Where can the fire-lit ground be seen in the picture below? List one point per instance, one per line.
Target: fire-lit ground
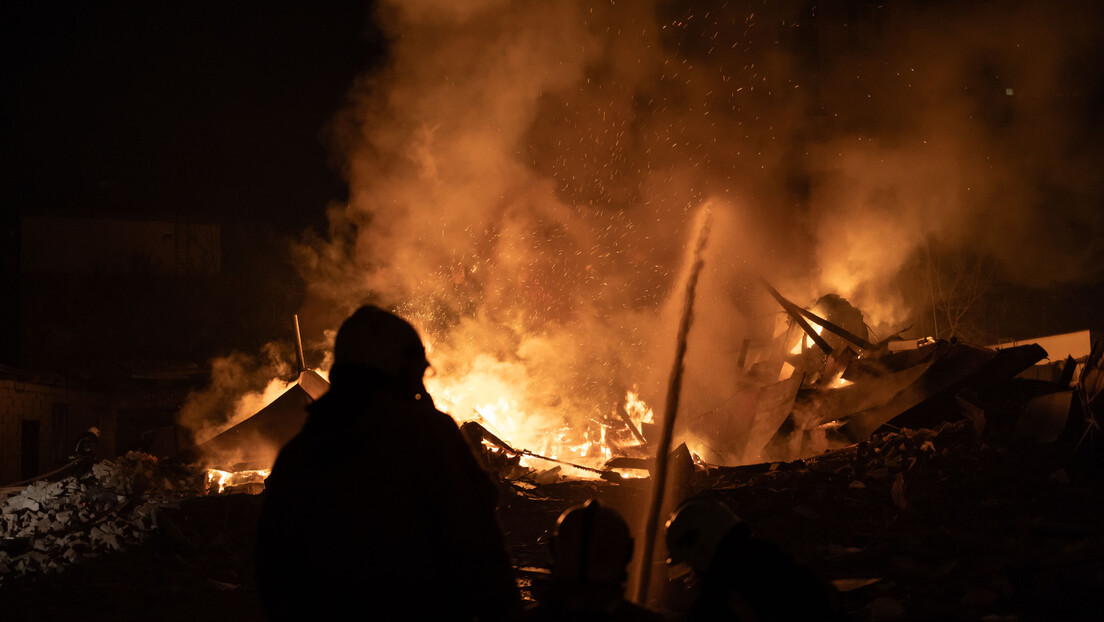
(940, 523)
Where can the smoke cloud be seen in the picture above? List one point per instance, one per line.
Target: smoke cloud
(241, 384)
(972, 130)
(523, 179)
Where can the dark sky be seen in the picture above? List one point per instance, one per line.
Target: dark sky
(193, 110)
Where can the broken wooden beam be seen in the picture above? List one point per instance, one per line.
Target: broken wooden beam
(841, 332)
(795, 313)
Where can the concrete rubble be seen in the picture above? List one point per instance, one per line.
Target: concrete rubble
(49, 525)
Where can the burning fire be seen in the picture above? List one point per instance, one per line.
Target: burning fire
(218, 481)
(806, 342)
(523, 196)
(639, 412)
(499, 406)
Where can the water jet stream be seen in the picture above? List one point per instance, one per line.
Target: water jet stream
(674, 387)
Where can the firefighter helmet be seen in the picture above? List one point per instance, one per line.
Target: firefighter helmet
(695, 530)
(592, 544)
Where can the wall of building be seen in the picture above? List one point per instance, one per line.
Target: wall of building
(85, 293)
(60, 414)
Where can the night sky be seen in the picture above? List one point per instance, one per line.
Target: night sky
(203, 111)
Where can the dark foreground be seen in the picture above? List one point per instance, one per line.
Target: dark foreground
(937, 523)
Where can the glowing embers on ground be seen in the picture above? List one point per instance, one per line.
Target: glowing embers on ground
(219, 481)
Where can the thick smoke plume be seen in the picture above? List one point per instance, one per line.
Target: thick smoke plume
(960, 128)
(523, 176)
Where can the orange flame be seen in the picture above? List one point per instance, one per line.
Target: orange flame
(218, 480)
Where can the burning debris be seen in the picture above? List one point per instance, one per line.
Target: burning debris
(952, 412)
(828, 391)
(827, 386)
(531, 213)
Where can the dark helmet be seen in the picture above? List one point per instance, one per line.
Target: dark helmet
(382, 341)
(695, 530)
(592, 544)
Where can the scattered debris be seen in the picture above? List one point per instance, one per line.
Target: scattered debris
(925, 482)
(823, 385)
(49, 525)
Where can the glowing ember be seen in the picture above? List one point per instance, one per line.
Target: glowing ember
(218, 481)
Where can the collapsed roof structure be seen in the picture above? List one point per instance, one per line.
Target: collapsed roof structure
(259, 437)
(835, 387)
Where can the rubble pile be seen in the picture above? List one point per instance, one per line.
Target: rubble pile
(956, 521)
(114, 505)
(925, 481)
(935, 523)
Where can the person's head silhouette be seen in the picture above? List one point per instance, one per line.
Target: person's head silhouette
(377, 344)
(591, 545)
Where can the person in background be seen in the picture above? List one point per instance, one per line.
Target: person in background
(591, 550)
(736, 576)
(377, 509)
(85, 451)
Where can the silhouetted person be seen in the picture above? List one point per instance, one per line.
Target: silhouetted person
(591, 549)
(377, 509)
(736, 576)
